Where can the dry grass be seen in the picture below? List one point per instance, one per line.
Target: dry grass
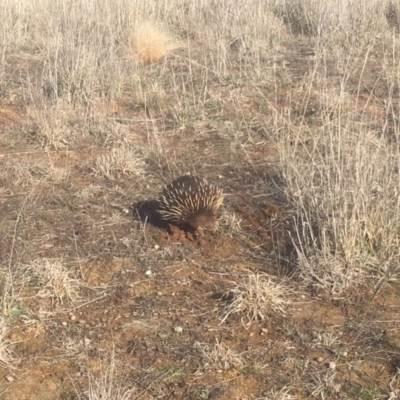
(21, 173)
(257, 297)
(53, 281)
(52, 127)
(107, 384)
(119, 162)
(219, 356)
(7, 358)
(231, 222)
(335, 26)
(152, 42)
(344, 186)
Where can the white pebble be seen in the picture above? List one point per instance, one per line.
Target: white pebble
(156, 246)
(73, 317)
(148, 273)
(345, 354)
(178, 329)
(332, 365)
(10, 378)
(64, 323)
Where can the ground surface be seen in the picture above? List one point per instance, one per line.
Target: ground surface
(152, 301)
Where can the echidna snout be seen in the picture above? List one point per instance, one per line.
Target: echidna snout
(190, 201)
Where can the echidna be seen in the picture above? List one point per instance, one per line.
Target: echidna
(190, 202)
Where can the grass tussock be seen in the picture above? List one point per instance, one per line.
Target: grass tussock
(108, 384)
(52, 127)
(257, 297)
(219, 356)
(152, 42)
(54, 281)
(119, 162)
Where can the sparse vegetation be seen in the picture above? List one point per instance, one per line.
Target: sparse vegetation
(291, 107)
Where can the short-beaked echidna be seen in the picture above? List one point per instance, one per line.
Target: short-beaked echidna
(190, 201)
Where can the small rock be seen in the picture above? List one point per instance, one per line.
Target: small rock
(148, 273)
(178, 329)
(64, 323)
(345, 354)
(72, 318)
(156, 246)
(10, 378)
(87, 341)
(332, 365)
(82, 321)
(320, 359)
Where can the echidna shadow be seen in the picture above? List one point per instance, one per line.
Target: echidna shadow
(188, 202)
(147, 213)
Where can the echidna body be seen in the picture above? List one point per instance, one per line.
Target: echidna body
(190, 201)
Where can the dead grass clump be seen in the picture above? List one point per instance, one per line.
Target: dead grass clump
(7, 359)
(219, 356)
(108, 384)
(53, 281)
(152, 42)
(119, 161)
(256, 298)
(52, 128)
(20, 173)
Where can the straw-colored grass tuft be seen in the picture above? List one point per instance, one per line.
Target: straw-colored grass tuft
(152, 42)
